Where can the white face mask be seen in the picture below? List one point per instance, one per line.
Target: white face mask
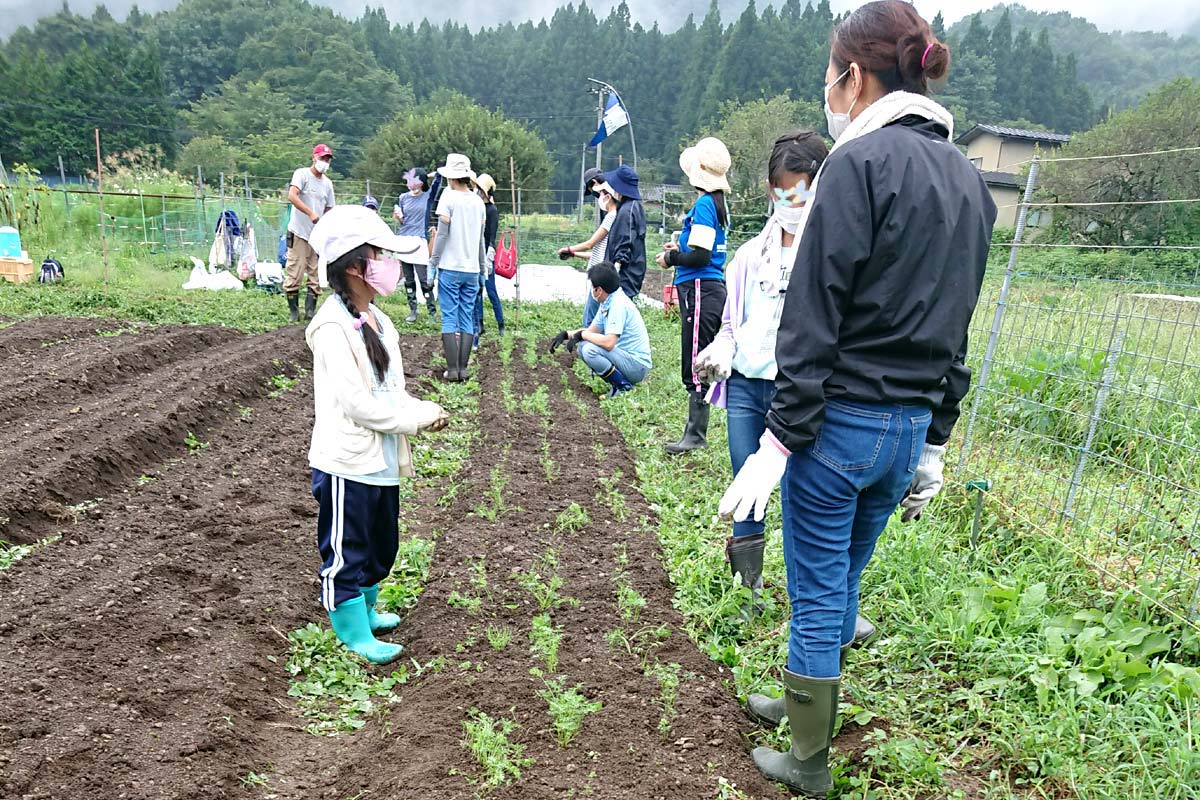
(837, 122)
(321, 166)
(789, 217)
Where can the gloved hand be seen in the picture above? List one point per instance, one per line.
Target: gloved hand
(715, 362)
(569, 338)
(430, 416)
(926, 483)
(755, 481)
(564, 253)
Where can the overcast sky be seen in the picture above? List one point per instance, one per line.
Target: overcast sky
(1164, 15)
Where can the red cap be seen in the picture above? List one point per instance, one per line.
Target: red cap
(322, 150)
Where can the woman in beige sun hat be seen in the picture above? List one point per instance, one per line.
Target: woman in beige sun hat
(699, 263)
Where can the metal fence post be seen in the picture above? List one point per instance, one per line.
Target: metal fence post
(1116, 340)
(998, 317)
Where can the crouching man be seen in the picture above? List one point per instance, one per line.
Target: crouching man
(615, 346)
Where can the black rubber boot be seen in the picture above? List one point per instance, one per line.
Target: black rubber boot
(466, 343)
(770, 711)
(450, 349)
(293, 307)
(812, 705)
(310, 305)
(745, 554)
(430, 303)
(695, 432)
(411, 291)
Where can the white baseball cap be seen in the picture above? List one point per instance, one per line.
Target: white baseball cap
(344, 228)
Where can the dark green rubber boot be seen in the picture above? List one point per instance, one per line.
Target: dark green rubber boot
(811, 710)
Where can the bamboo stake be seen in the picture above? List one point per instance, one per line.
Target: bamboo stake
(100, 187)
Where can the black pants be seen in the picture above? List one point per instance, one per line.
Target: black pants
(413, 273)
(701, 305)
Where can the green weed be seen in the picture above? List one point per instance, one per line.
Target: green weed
(611, 497)
(281, 383)
(537, 403)
(252, 780)
(494, 507)
(194, 445)
(472, 604)
(567, 707)
(629, 602)
(667, 676)
(399, 591)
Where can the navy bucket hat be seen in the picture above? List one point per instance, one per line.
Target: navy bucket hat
(624, 181)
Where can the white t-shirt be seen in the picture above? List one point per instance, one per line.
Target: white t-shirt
(467, 214)
(597, 254)
(316, 192)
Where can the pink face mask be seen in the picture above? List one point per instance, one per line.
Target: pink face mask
(382, 275)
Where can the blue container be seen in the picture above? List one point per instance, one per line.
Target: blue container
(10, 243)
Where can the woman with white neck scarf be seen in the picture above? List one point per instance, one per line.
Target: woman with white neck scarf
(871, 350)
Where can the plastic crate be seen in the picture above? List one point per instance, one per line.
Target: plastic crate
(16, 270)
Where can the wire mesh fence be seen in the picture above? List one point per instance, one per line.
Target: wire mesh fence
(1084, 417)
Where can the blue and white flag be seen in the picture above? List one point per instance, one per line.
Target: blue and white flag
(615, 118)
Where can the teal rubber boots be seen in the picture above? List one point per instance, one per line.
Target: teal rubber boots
(381, 621)
(353, 628)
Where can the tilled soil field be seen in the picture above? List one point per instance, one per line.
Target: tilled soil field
(143, 649)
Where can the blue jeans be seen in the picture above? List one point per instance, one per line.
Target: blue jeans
(494, 299)
(457, 292)
(837, 498)
(590, 307)
(600, 361)
(747, 402)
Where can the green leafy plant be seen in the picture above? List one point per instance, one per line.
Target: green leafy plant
(611, 497)
(567, 707)
(487, 740)
(281, 383)
(499, 636)
(629, 602)
(572, 520)
(472, 604)
(544, 638)
(667, 676)
(495, 506)
(194, 445)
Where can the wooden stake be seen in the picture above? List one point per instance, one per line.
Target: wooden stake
(100, 195)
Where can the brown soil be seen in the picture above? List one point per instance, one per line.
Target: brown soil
(143, 651)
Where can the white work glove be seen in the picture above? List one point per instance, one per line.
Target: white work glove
(490, 261)
(715, 362)
(755, 481)
(430, 416)
(925, 484)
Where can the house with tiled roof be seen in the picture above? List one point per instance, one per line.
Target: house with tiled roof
(1000, 153)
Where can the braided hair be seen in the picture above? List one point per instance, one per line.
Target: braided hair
(336, 272)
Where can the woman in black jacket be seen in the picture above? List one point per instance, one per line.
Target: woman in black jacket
(491, 227)
(626, 247)
(871, 348)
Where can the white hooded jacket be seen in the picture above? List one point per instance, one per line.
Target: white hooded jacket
(350, 422)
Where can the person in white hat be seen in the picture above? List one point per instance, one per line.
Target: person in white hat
(458, 258)
(363, 415)
(699, 262)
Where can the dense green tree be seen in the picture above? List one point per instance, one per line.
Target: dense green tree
(453, 124)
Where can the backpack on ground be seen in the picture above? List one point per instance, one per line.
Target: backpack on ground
(52, 270)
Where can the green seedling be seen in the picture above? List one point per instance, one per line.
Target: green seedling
(667, 676)
(549, 467)
(399, 591)
(611, 497)
(537, 403)
(252, 780)
(144, 480)
(487, 740)
(194, 445)
(567, 708)
(499, 636)
(469, 603)
(281, 383)
(572, 520)
(494, 507)
(629, 602)
(544, 639)
(244, 412)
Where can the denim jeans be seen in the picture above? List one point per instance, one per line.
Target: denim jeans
(457, 292)
(837, 498)
(590, 307)
(599, 360)
(747, 402)
(494, 298)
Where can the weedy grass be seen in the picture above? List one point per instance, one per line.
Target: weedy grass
(567, 707)
(494, 504)
(499, 636)
(668, 677)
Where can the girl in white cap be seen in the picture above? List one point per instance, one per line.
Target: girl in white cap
(359, 450)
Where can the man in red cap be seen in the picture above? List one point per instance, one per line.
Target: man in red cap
(311, 195)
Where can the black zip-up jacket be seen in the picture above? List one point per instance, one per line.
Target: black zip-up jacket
(886, 279)
(626, 245)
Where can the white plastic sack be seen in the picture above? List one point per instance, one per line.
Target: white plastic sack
(267, 273)
(204, 278)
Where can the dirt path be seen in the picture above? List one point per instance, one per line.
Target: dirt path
(143, 651)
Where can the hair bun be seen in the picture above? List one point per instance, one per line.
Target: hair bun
(935, 60)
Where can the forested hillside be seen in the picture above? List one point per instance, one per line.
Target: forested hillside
(245, 87)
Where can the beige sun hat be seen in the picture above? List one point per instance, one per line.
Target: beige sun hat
(458, 167)
(706, 164)
(487, 183)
